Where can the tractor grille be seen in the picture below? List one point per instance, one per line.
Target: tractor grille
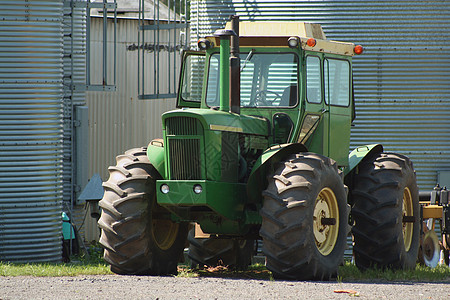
(183, 126)
(185, 159)
(184, 136)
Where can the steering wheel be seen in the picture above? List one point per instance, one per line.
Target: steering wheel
(260, 98)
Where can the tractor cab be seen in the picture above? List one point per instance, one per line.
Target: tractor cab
(289, 74)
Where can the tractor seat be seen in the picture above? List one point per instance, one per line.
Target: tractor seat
(289, 97)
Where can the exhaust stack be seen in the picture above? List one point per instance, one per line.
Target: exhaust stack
(224, 66)
(235, 65)
(230, 74)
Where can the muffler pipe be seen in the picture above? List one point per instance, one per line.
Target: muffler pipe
(224, 66)
(235, 66)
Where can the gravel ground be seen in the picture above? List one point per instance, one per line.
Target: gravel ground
(134, 287)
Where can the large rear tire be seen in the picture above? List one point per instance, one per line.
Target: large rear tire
(386, 213)
(137, 234)
(210, 252)
(305, 219)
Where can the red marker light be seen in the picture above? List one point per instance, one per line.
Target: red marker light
(358, 49)
(311, 42)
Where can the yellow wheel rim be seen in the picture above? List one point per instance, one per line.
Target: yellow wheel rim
(407, 210)
(164, 233)
(326, 221)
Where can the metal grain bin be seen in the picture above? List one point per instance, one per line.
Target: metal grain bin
(31, 130)
(402, 81)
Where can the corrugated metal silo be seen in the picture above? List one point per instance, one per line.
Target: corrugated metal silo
(402, 80)
(31, 130)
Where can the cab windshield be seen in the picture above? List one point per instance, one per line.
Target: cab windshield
(267, 80)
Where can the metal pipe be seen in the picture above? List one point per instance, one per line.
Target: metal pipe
(115, 42)
(235, 63)
(168, 44)
(224, 67)
(139, 52)
(88, 46)
(425, 195)
(105, 37)
(157, 53)
(155, 73)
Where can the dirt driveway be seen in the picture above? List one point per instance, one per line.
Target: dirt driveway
(134, 287)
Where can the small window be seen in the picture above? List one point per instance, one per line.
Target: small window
(191, 89)
(337, 82)
(309, 125)
(313, 84)
(212, 92)
(282, 128)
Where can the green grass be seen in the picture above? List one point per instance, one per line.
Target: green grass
(52, 270)
(79, 265)
(94, 265)
(350, 272)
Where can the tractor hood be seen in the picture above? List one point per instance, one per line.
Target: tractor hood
(223, 121)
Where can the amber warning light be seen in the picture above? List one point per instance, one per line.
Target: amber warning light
(358, 49)
(311, 42)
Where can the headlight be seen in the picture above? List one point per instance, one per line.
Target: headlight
(293, 42)
(165, 189)
(198, 189)
(204, 44)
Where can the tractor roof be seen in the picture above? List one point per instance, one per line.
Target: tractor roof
(277, 29)
(276, 34)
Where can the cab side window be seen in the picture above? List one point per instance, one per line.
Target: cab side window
(313, 84)
(337, 82)
(212, 92)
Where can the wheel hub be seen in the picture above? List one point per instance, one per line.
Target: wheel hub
(326, 221)
(164, 233)
(321, 211)
(407, 212)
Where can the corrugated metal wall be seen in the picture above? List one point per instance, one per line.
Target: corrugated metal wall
(118, 120)
(31, 130)
(75, 167)
(402, 81)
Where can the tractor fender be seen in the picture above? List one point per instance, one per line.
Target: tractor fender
(359, 153)
(257, 179)
(155, 154)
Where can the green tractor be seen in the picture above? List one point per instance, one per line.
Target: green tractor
(258, 150)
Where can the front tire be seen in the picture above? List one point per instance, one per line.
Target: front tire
(305, 219)
(137, 234)
(386, 213)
